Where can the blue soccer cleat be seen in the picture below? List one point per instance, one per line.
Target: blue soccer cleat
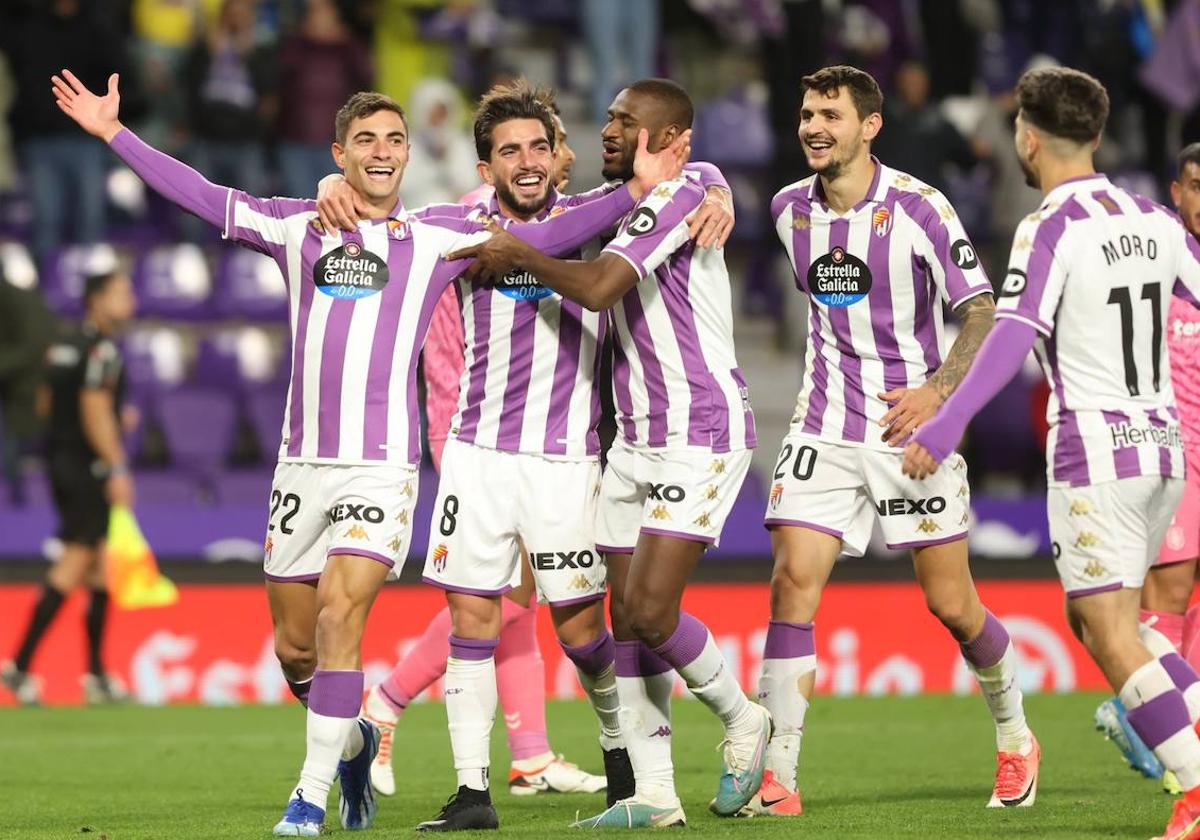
(745, 760)
(1112, 720)
(356, 801)
(301, 819)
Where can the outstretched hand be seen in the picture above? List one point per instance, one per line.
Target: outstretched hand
(652, 168)
(493, 258)
(97, 115)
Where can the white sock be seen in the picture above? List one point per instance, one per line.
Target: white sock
(326, 737)
(998, 683)
(779, 691)
(601, 690)
(470, 689)
(1158, 713)
(1178, 668)
(646, 727)
(354, 742)
(713, 684)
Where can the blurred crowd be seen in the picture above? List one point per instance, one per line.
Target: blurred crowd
(245, 91)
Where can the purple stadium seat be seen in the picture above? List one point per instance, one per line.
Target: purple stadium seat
(734, 131)
(244, 487)
(264, 408)
(173, 281)
(198, 424)
(65, 271)
(165, 488)
(249, 285)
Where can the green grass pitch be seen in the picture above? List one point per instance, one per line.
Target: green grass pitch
(880, 768)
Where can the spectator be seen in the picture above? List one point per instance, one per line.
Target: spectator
(622, 37)
(320, 66)
(917, 132)
(63, 169)
(163, 33)
(25, 329)
(442, 161)
(230, 92)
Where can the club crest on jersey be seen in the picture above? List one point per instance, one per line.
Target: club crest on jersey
(350, 272)
(519, 284)
(839, 278)
(881, 221)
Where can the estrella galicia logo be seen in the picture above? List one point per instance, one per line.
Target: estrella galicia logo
(350, 272)
(839, 278)
(642, 222)
(519, 284)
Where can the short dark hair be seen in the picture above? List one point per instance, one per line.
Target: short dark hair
(95, 284)
(360, 105)
(677, 108)
(864, 90)
(517, 100)
(1188, 154)
(1063, 102)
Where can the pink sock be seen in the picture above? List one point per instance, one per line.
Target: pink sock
(421, 666)
(1190, 648)
(521, 681)
(1169, 624)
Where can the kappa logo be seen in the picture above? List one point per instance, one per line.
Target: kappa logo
(1080, 507)
(356, 532)
(661, 192)
(776, 495)
(1023, 244)
(395, 544)
(578, 583)
(439, 558)
(710, 492)
(1087, 539)
(801, 222)
(661, 732)
(643, 221)
(718, 466)
(406, 490)
(703, 521)
(402, 517)
(926, 191)
(928, 526)
(1094, 569)
(660, 512)
(947, 212)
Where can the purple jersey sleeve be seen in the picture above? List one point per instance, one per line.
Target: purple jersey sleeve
(258, 223)
(709, 174)
(657, 228)
(953, 261)
(174, 180)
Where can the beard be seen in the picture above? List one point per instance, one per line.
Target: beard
(524, 206)
(618, 170)
(1031, 178)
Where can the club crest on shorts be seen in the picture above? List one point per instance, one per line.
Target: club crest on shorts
(776, 495)
(439, 558)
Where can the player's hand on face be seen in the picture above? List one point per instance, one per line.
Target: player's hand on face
(918, 463)
(652, 168)
(712, 221)
(338, 204)
(97, 115)
(911, 407)
(119, 489)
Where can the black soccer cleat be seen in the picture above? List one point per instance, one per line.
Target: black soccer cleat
(619, 771)
(466, 810)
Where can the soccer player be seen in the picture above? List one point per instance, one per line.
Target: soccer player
(686, 431)
(1091, 274)
(89, 471)
(877, 252)
(345, 488)
(519, 668)
(1168, 586)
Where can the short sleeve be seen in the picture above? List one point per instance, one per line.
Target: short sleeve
(657, 227)
(954, 262)
(258, 223)
(102, 367)
(1034, 282)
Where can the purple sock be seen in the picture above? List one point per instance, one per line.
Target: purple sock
(1179, 670)
(593, 657)
(636, 659)
(336, 693)
(300, 690)
(1158, 719)
(986, 649)
(686, 643)
(474, 650)
(789, 640)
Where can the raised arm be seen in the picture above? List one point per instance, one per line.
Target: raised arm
(175, 181)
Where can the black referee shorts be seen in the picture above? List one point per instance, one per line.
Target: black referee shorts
(79, 496)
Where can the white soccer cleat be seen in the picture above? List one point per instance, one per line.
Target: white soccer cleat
(26, 687)
(557, 776)
(380, 712)
(101, 689)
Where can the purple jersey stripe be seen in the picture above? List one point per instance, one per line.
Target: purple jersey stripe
(882, 313)
(520, 366)
(333, 361)
(310, 251)
(1125, 459)
(1070, 457)
(751, 429)
(855, 425)
(924, 327)
(819, 375)
(1104, 199)
(1164, 452)
(652, 374)
(708, 424)
(622, 395)
(383, 351)
(481, 315)
(570, 341)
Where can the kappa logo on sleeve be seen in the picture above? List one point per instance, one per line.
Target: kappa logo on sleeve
(642, 222)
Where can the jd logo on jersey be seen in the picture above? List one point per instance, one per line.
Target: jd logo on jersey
(1014, 283)
(839, 278)
(963, 255)
(350, 272)
(519, 284)
(642, 222)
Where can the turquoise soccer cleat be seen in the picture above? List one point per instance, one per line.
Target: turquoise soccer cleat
(1111, 719)
(635, 813)
(742, 774)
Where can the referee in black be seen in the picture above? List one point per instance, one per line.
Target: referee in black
(88, 473)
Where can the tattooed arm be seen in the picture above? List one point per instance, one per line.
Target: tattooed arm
(912, 407)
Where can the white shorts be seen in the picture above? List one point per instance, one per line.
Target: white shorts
(490, 503)
(323, 509)
(841, 490)
(1107, 536)
(684, 493)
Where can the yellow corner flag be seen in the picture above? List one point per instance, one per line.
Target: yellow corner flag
(133, 577)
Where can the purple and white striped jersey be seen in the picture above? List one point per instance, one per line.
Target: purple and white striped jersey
(1093, 271)
(676, 380)
(876, 278)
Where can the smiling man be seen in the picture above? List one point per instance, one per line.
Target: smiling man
(345, 488)
(877, 252)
